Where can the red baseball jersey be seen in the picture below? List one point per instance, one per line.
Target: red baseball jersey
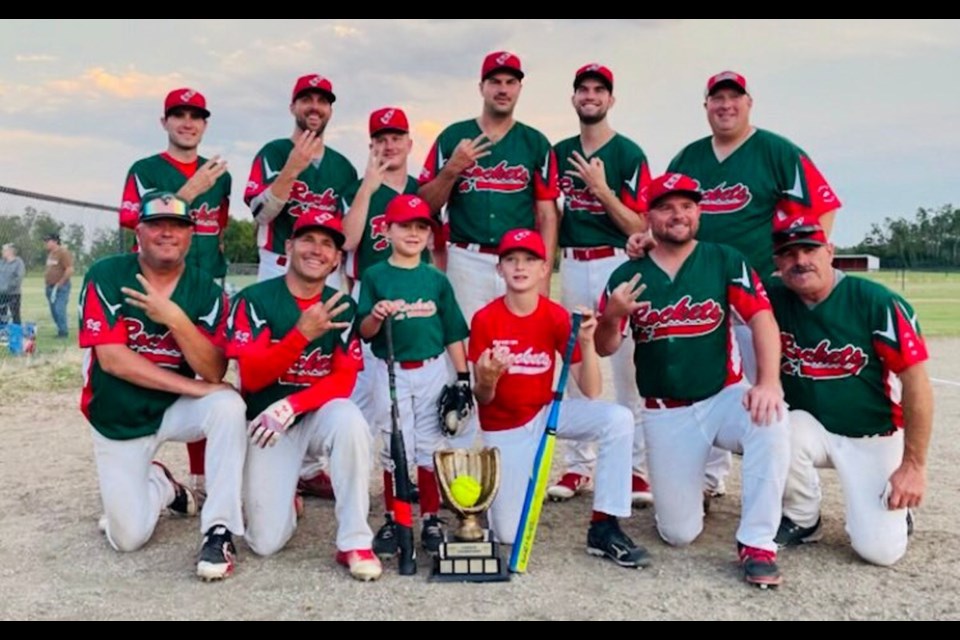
(530, 344)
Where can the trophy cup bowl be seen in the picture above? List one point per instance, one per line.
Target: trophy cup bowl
(472, 555)
(483, 466)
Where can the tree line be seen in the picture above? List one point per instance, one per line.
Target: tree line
(930, 240)
(27, 231)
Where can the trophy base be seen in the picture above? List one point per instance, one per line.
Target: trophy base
(470, 562)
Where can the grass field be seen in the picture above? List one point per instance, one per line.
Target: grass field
(934, 295)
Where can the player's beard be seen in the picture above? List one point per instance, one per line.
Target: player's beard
(591, 119)
(302, 125)
(183, 146)
(665, 236)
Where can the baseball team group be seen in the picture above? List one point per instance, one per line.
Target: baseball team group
(710, 289)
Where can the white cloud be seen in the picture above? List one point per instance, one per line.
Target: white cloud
(35, 57)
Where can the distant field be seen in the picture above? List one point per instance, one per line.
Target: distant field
(935, 296)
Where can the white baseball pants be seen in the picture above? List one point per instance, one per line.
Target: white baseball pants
(864, 466)
(608, 424)
(583, 282)
(336, 430)
(135, 492)
(678, 445)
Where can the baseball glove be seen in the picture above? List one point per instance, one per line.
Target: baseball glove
(455, 405)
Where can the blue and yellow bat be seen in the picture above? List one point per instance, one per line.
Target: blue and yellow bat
(537, 485)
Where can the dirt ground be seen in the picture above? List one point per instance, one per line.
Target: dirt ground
(55, 565)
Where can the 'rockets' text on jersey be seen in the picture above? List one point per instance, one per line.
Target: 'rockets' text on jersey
(767, 175)
(210, 210)
(585, 223)
(498, 192)
(429, 318)
(685, 348)
(118, 409)
(319, 185)
(840, 359)
(530, 344)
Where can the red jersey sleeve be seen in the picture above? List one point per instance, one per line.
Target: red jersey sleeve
(822, 198)
(97, 324)
(479, 341)
(431, 164)
(897, 339)
(633, 192)
(130, 202)
(745, 291)
(347, 362)
(546, 183)
(257, 183)
(260, 360)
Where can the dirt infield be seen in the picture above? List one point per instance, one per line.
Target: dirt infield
(54, 565)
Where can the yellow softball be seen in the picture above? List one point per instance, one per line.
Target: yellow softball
(465, 490)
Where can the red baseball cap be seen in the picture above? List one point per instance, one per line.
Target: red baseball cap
(594, 70)
(501, 61)
(407, 207)
(670, 183)
(525, 239)
(313, 82)
(388, 119)
(726, 79)
(185, 97)
(315, 218)
(802, 229)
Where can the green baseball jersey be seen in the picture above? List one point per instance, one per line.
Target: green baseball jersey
(429, 319)
(685, 349)
(319, 185)
(767, 175)
(118, 409)
(210, 210)
(374, 244)
(840, 358)
(585, 223)
(498, 192)
(262, 315)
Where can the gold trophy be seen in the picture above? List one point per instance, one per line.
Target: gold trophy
(471, 555)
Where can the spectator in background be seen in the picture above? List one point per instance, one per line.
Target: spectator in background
(12, 271)
(57, 278)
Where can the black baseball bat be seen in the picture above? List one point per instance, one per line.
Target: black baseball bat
(402, 486)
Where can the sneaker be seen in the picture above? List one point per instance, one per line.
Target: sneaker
(385, 543)
(363, 564)
(640, 492)
(569, 485)
(759, 566)
(185, 501)
(790, 534)
(606, 539)
(431, 535)
(217, 555)
(319, 486)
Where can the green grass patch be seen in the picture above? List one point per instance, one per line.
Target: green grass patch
(935, 295)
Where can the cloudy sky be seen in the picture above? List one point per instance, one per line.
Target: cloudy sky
(873, 102)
